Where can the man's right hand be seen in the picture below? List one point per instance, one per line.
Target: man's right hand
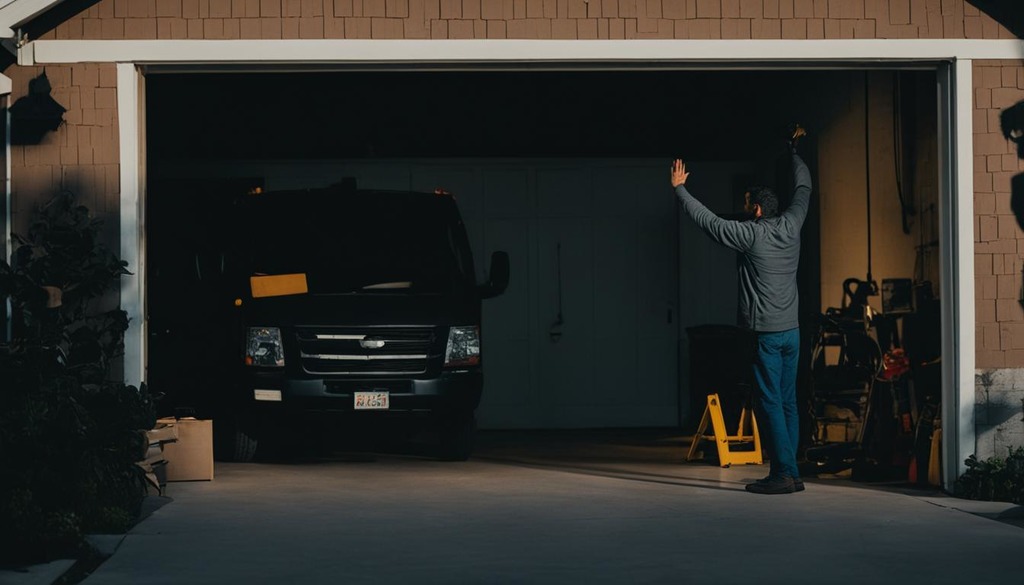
(798, 133)
(679, 174)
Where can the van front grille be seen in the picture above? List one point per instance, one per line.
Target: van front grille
(367, 350)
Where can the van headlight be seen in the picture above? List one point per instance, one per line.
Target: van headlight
(463, 347)
(264, 348)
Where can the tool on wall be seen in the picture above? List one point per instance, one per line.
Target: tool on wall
(872, 286)
(907, 209)
(555, 331)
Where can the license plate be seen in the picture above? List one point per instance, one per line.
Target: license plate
(372, 400)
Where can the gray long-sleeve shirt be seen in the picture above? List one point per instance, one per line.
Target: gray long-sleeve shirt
(769, 251)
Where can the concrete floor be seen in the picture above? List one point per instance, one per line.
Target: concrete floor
(553, 508)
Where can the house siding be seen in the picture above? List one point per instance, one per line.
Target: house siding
(999, 239)
(530, 19)
(81, 156)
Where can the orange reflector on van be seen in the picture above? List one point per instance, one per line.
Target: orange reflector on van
(278, 285)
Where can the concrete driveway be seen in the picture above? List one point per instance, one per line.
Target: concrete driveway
(531, 510)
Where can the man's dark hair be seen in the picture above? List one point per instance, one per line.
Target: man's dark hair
(765, 197)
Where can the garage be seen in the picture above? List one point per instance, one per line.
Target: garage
(548, 125)
(613, 291)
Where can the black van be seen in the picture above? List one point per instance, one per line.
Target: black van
(338, 305)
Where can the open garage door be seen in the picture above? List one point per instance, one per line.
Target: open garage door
(567, 172)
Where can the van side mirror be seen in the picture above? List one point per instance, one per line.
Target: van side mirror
(497, 280)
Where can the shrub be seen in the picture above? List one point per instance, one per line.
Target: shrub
(994, 479)
(69, 432)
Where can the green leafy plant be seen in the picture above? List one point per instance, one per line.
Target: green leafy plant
(70, 433)
(995, 479)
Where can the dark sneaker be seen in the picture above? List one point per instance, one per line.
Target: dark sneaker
(798, 484)
(780, 484)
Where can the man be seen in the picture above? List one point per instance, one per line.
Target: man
(769, 252)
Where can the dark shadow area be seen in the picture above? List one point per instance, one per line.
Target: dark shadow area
(711, 115)
(1009, 13)
(643, 455)
(46, 22)
(55, 16)
(35, 114)
(1011, 122)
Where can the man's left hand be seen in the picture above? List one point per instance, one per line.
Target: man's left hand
(679, 174)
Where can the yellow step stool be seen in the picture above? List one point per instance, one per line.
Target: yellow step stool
(723, 440)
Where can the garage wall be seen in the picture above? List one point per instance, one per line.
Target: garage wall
(843, 175)
(529, 19)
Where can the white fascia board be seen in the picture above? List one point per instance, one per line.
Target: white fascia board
(730, 52)
(6, 85)
(17, 12)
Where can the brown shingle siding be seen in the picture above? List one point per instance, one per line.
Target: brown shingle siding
(563, 28)
(653, 8)
(315, 8)
(450, 9)
(763, 28)
(65, 159)
(269, 8)
(587, 29)
(291, 8)
(617, 28)
(140, 28)
(999, 243)
(1004, 97)
(344, 8)
(704, 9)
(751, 9)
(577, 9)
(220, 9)
(461, 29)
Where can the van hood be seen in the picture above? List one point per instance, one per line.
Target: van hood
(336, 310)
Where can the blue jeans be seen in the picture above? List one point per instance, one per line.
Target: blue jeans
(778, 419)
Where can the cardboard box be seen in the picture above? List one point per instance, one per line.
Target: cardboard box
(190, 458)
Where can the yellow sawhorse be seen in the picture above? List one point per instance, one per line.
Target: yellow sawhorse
(723, 440)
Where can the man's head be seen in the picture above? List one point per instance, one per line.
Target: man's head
(760, 201)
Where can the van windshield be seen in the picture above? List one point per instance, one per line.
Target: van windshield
(365, 242)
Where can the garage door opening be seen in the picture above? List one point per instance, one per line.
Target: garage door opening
(568, 173)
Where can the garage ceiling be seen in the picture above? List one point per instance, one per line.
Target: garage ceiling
(710, 115)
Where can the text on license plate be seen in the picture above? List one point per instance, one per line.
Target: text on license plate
(372, 400)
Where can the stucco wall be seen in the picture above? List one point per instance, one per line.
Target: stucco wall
(999, 411)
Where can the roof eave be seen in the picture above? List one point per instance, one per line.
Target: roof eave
(16, 13)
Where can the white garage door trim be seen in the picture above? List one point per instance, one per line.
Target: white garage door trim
(952, 57)
(668, 52)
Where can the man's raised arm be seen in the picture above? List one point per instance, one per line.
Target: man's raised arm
(732, 234)
(802, 190)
